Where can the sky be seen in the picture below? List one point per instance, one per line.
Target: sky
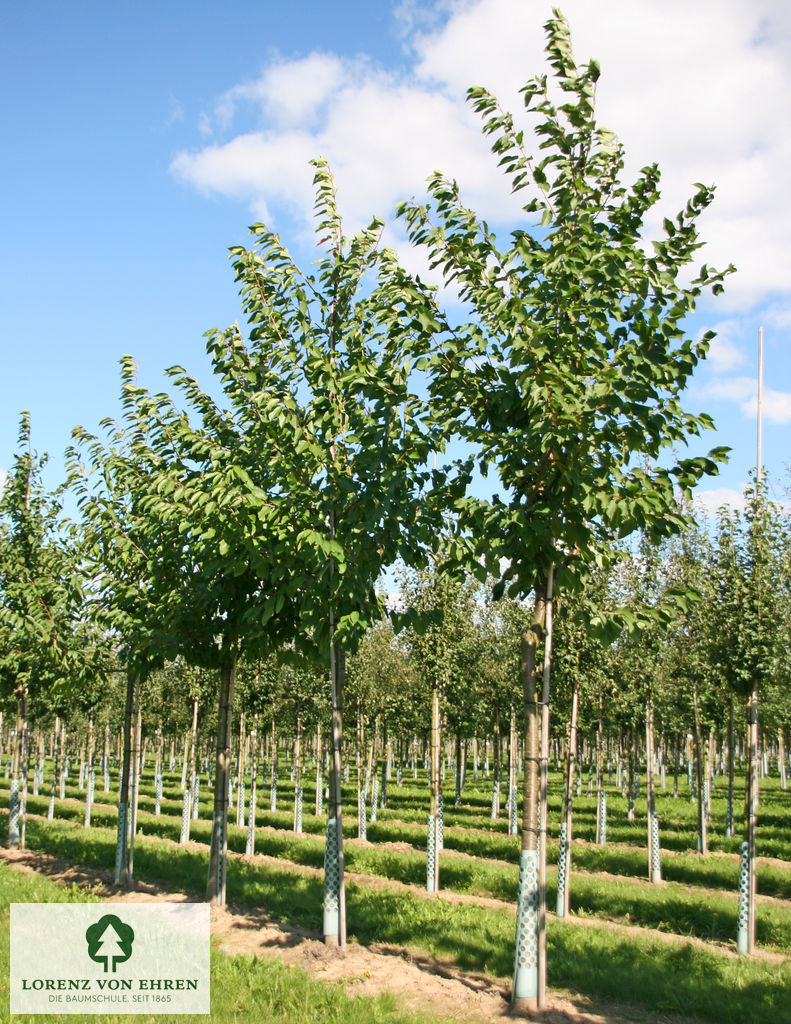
(141, 140)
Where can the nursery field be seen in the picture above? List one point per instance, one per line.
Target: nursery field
(629, 949)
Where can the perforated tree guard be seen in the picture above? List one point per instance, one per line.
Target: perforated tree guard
(562, 850)
(184, 834)
(743, 915)
(526, 954)
(332, 882)
(656, 852)
(120, 842)
(298, 811)
(13, 813)
(242, 799)
(362, 819)
(249, 846)
(602, 818)
(431, 855)
(514, 811)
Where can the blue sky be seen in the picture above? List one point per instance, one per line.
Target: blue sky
(140, 140)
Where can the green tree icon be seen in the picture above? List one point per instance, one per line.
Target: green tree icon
(109, 941)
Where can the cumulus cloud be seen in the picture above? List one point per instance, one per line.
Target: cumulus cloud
(726, 353)
(708, 502)
(776, 405)
(701, 88)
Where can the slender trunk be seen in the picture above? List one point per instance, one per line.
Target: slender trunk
(319, 779)
(498, 757)
(359, 749)
(334, 884)
(298, 778)
(601, 792)
(136, 769)
(527, 988)
(458, 769)
(731, 769)
(240, 775)
(122, 876)
(55, 770)
(250, 844)
(106, 759)
(89, 780)
(654, 854)
(24, 771)
(567, 812)
(435, 781)
(703, 838)
(752, 819)
(215, 886)
(193, 744)
(14, 801)
(543, 815)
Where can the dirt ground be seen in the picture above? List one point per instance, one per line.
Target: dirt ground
(419, 981)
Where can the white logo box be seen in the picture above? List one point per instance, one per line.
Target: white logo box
(110, 958)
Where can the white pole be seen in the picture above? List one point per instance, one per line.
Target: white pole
(759, 470)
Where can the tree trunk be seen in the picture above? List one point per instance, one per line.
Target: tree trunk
(89, 779)
(654, 855)
(319, 780)
(334, 886)
(703, 838)
(14, 810)
(435, 782)
(136, 768)
(122, 876)
(567, 813)
(298, 778)
(527, 967)
(216, 885)
(731, 770)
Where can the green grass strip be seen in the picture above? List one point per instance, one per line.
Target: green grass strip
(602, 962)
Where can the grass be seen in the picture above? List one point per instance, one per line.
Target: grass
(242, 988)
(668, 908)
(593, 961)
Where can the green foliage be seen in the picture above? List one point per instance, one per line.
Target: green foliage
(48, 648)
(568, 376)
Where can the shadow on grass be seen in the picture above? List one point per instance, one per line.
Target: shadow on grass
(665, 976)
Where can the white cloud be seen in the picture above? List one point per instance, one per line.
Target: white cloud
(725, 353)
(776, 405)
(701, 88)
(778, 316)
(707, 502)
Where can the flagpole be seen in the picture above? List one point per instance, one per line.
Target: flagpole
(759, 470)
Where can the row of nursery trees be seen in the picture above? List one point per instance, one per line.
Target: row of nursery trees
(225, 531)
(450, 680)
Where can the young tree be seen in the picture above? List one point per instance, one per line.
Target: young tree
(330, 374)
(45, 641)
(567, 378)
